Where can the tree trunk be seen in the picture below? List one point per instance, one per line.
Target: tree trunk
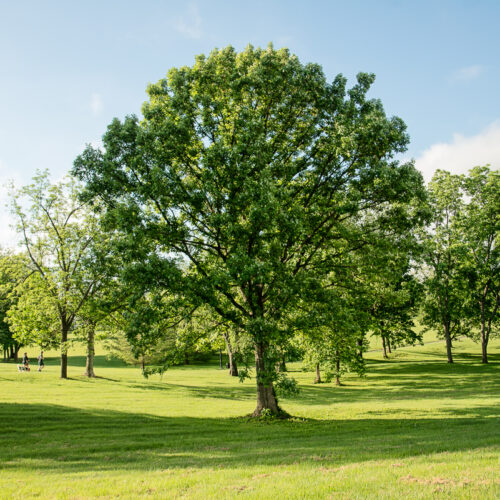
(317, 380)
(484, 336)
(484, 350)
(389, 345)
(14, 351)
(233, 368)
(337, 369)
(266, 397)
(89, 366)
(448, 343)
(384, 346)
(360, 347)
(282, 365)
(64, 353)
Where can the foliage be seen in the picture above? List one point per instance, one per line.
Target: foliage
(460, 250)
(445, 287)
(479, 225)
(246, 168)
(13, 271)
(59, 234)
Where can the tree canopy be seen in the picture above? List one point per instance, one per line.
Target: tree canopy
(248, 180)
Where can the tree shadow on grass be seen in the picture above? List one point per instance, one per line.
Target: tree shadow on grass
(62, 439)
(385, 382)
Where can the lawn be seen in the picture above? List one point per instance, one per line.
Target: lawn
(415, 427)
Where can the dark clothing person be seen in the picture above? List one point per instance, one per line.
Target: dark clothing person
(41, 362)
(26, 362)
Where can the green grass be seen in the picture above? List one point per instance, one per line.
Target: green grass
(415, 427)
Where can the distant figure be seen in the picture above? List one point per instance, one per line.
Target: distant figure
(25, 367)
(41, 363)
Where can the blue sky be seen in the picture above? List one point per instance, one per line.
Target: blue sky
(68, 68)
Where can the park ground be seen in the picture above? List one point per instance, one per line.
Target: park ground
(414, 427)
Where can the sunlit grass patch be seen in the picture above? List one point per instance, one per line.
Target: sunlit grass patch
(414, 427)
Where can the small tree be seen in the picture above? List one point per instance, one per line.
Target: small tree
(479, 225)
(444, 304)
(57, 232)
(13, 271)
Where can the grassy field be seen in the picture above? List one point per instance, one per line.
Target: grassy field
(415, 427)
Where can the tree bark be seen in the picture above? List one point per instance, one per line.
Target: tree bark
(233, 368)
(484, 335)
(64, 353)
(484, 350)
(14, 352)
(89, 365)
(337, 369)
(448, 343)
(384, 346)
(317, 380)
(266, 397)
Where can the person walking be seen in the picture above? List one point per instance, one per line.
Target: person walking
(26, 362)
(41, 362)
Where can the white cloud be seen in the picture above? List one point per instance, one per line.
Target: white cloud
(190, 25)
(463, 153)
(96, 104)
(468, 73)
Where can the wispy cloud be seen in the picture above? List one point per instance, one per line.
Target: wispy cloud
(468, 73)
(462, 153)
(96, 104)
(189, 25)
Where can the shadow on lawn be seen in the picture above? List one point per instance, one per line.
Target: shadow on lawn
(402, 380)
(56, 438)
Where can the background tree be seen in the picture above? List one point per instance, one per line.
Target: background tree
(394, 295)
(13, 271)
(444, 304)
(245, 168)
(57, 232)
(479, 226)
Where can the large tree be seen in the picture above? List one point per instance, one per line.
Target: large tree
(239, 185)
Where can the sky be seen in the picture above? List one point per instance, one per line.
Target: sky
(68, 68)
